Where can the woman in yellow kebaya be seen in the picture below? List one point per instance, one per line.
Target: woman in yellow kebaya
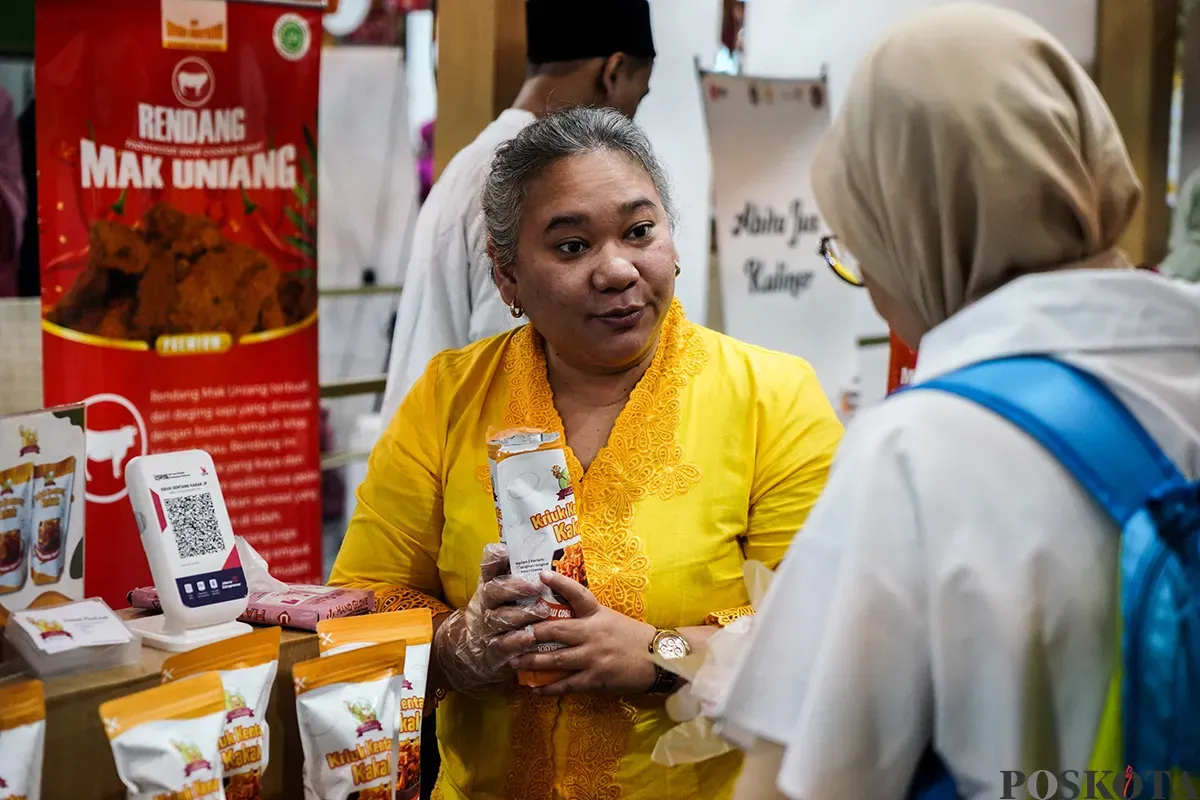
(688, 453)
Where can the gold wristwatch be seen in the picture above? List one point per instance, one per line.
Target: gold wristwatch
(669, 645)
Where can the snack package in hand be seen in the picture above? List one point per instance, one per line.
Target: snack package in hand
(247, 666)
(53, 494)
(166, 740)
(16, 492)
(22, 739)
(535, 506)
(347, 707)
(415, 629)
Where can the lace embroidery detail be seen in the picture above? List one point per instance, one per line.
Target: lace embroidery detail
(642, 458)
(531, 773)
(725, 617)
(401, 598)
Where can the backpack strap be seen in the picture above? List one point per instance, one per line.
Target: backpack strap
(1076, 418)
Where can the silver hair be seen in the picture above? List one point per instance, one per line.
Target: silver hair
(568, 133)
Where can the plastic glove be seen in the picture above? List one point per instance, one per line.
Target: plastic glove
(474, 645)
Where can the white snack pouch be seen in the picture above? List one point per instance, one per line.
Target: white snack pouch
(535, 507)
(165, 740)
(16, 491)
(415, 629)
(247, 666)
(347, 707)
(22, 740)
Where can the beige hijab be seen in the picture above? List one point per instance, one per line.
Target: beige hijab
(971, 149)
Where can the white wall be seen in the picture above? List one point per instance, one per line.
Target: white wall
(418, 53)
(673, 116)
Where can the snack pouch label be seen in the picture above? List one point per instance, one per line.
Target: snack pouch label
(165, 740)
(415, 629)
(53, 494)
(247, 666)
(347, 706)
(16, 487)
(22, 740)
(177, 162)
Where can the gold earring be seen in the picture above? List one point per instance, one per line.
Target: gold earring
(516, 311)
(678, 269)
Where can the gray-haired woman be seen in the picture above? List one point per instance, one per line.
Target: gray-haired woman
(688, 452)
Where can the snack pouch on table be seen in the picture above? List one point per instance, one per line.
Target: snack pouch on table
(535, 507)
(415, 629)
(347, 707)
(53, 494)
(16, 494)
(166, 740)
(247, 666)
(22, 740)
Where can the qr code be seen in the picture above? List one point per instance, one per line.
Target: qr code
(193, 520)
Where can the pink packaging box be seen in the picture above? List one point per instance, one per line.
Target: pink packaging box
(298, 607)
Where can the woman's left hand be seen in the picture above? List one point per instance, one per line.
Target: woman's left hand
(606, 652)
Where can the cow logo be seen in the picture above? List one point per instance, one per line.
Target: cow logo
(49, 629)
(193, 82)
(236, 707)
(193, 757)
(116, 433)
(364, 714)
(292, 36)
(29, 441)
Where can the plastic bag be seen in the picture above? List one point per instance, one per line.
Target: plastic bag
(708, 675)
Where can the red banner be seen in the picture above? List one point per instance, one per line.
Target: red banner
(177, 163)
(901, 363)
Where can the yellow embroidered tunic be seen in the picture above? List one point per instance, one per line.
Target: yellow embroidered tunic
(717, 457)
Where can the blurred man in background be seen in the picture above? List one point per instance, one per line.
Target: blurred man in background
(581, 52)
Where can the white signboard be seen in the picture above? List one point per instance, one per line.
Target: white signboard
(776, 289)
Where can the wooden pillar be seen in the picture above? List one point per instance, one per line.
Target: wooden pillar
(1135, 65)
(481, 66)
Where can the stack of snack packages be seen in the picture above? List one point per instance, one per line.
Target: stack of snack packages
(203, 734)
(22, 739)
(349, 637)
(535, 509)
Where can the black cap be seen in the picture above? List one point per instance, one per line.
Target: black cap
(568, 30)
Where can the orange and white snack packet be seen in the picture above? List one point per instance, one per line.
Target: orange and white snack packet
(165, 740)
(247, 666)
(415, 629)
(22, 740)
(535, 506)
(347, 707)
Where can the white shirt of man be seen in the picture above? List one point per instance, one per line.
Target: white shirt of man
(449, 298)
(955, 584)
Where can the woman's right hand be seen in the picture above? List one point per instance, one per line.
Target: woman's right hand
(474, 645)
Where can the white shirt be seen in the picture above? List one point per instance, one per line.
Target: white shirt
(449, 299)
(954, 581)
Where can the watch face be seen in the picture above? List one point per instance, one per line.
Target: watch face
(672, 647)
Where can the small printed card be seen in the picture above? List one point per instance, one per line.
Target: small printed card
(57, 629)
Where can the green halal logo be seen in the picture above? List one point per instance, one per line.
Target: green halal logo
(292, 38)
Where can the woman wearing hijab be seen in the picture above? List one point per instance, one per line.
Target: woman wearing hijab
(954, 586)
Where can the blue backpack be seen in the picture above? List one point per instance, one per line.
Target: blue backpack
(1079, 421)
